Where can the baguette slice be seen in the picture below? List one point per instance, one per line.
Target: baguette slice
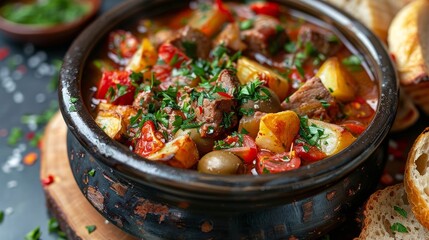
(380, 215)
(417, 178)
(408, 42)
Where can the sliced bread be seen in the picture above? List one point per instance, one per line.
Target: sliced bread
(388, 215)
(417, 178)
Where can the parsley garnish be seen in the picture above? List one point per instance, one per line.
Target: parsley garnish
(136, 78)
(290, 47)
(398, 227)
(91, 228)
(324, 103)
(223, 144)
(227, 119)
(35, 234)
(246, 24)
(113, 93)
(190, 49)
(91, 172)
(244, 131)
(353, 62)
(401, 211)
(311, 134)
(253, 91)
(265, 171)
(73, 99)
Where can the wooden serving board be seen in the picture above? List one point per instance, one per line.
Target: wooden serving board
(64, 199)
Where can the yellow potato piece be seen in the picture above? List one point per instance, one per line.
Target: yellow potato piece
(248, 70)
(144, 57)
(337, 80)
(277, 131)
(335, 138)
(110, 122)
(181, 152)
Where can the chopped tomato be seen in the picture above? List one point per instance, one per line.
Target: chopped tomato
(247, 152)
(162, 72)
(308, 153)
(171, 55)
(269, 162)
(116, 87)
(150, 140)
(122, 44)
(266, 8)
(224, 10)
(355, 127)
(359, 110)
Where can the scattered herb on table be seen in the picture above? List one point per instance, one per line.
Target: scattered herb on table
(91, 228)
(91, 172)
(35, 234)
(53, 84)
(44, 13)
(54, 227)
(14, 136)
(1, 216)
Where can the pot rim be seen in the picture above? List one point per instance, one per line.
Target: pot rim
(190, 183)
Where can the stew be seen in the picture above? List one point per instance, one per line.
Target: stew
(232, 88)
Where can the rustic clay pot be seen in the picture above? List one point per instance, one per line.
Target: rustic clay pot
(154, 201)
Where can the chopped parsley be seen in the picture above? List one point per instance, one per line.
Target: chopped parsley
(253, 91)
(398, 227)
(233, 141)
(190, 49)
(91, 172)
(113, 93)
(136, 78)
(311, 134)
(15, 136)
(353, 62)
(324, 103)
(1, 216)
(290, 47)
(227, 120)
(35, 234)
(401, 211)
(91, 228)
(246, 24)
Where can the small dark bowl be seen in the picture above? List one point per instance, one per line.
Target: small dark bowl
(154, 201)
(49, 35)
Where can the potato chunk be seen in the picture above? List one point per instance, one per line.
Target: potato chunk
(277, 131)
(144, 57)
(180, 152)
(334, 139)
(111, 123)
(337, 80)
(248, 70)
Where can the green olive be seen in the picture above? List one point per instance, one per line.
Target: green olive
(271, 105)
(219, 162)
(204, 145)
(251, 124)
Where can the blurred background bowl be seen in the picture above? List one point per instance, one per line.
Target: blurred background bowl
(48, 35)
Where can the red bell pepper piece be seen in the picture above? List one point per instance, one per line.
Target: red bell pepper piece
(171, 55)
(150, 140)
(355, 127)
(224, 10)
(116, 87)
(308, 153)
(266, 8)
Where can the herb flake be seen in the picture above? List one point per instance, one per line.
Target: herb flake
(35, 234)
(398, 227)
(91, 228)
(401, 211)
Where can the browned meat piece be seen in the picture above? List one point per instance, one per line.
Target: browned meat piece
(314, 100)
(230, 38)
(172, 113)
(228, 81)
(217, 116)
(192, 42)
(324, 42)
(267, 35)
(143, 100)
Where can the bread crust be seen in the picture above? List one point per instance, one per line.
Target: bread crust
(418, 195)
(407, 40)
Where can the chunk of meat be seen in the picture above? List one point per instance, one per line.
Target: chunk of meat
(321, 40)
(230, 38)
(314, 100)
(228, 81)
(267, 36)
(172, 113)
(143, 100)
(217, 116)
(192, 42)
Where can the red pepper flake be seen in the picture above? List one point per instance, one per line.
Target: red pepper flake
(386, 179)
(3, 132)
(393, 57)
(30, 158)
(224, 95)
(30, 135)
(200, 109)
(47, 181)
(4, 52)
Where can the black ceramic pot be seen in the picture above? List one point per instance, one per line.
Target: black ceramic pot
(154, 201)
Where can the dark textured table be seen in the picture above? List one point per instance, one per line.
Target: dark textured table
(28, 98)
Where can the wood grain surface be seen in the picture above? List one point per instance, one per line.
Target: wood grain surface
(64, 199)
